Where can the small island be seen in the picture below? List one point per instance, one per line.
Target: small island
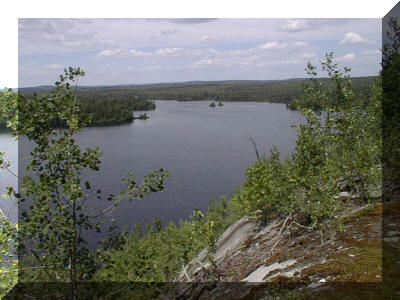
(212, 104)
(143, 116)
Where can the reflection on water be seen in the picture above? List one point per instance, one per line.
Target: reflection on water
(205, 149)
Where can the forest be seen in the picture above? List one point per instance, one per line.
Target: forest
(106, 110)
(101, 108)
(339, 148)
(277, 91)
(112, 105)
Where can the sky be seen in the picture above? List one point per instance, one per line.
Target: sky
(141, 51)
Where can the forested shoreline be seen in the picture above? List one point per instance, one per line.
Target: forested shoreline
(338, 150)
(104, 109)
(276, 91)
(113, 105)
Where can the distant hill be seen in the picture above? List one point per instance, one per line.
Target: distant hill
(281, 91)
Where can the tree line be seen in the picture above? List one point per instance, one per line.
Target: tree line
(340, 142)
(114, 105)
(99, 108)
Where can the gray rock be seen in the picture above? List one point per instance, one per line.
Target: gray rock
(343, 196)
(375, 194)
(234, 237)
(229, 242)
(259, 274)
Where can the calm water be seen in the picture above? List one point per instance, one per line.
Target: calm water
(205, 149)
(10, 147)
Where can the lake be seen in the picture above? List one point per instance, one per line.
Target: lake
(10, 147)
(205, 149)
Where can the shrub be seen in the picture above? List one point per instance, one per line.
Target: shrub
(339, 141)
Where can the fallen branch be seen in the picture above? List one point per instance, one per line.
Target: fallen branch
(302, 226)
(185, 273)
(322, 237)
(284, 223)
(280, 232)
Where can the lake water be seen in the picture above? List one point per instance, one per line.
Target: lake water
(205, 149)
(10, 147)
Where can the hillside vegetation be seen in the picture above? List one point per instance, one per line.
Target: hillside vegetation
(113, 105)
(278, 91)
(99, 108)
(336, 152)
(326, 195)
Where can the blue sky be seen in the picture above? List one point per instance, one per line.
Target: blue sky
(136, 51)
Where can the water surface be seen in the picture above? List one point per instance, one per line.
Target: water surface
(205, 149)
(9, 146)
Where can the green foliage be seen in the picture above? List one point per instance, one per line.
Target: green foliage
(155, 255)
(267, 181)
(320, 94)
(8, 230)
(340, 140)
(8, 263)
(52, 199)
(8, 109)
(99, 108)
(110, 111)
(277, 91)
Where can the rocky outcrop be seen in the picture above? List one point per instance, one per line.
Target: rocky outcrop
(285, 251)
(227, 244)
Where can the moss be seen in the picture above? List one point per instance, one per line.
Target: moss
(283, 280)
(276, 257)
(358, 264)
(375, 210)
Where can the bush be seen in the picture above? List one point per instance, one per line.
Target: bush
(156, 255)
(8, 263)
(340, 141)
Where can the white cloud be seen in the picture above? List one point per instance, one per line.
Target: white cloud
(295, 26)
(269, 53)
(169, 52)
(272, 45)
(169, 32)
(178, 52)
(243, 48)
(278, 62)
(122, 53)
(54, 67)
(293, 46)
(208, 61)
(191, 21)
(138, 53)
(298, 25)
(352, 38)
(372, 52)
(308, 55)
(106, 53)
(348, 56)
(210, 39)
(107, 43)
(300, 44)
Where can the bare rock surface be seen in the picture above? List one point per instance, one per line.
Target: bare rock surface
(228, 243)
(260, 274)
(285, 251)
